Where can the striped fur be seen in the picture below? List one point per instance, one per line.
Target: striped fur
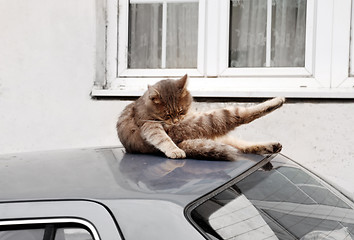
(159, 121)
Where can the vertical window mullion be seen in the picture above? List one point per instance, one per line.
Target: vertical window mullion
(164, 35)
(269, 33)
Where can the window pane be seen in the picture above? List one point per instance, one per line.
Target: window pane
(59, 231)
(27, 234)
(72, 234)
(288, 33)
(163, 35)
(283, 203)
(145, 35)
(182, 35)
(248, 28)
(254, 43)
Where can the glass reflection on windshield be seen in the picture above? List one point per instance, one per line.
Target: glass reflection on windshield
(284, 203)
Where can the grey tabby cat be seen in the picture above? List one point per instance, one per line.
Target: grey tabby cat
(160, 121)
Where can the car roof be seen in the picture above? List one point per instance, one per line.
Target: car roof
(110, 173)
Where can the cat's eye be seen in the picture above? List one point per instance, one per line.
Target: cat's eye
(168, 115)
(168, 118)
(155, 100)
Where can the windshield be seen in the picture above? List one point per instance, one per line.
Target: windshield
(286, 202)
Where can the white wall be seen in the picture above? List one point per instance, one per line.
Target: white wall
(47, 68)
(48, 63)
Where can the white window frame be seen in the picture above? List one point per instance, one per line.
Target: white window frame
(306, 71)
(325, 75)
(124, 71)
(342, 47)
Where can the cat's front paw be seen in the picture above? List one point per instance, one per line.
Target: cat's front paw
(175, 153)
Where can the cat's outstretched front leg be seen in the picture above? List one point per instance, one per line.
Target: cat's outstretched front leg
(154, 134)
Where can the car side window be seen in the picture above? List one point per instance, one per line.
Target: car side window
(50, 231)
(72, 234)
(22, 234)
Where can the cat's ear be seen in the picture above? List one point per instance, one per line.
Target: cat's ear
(183, 82)
(154, 95)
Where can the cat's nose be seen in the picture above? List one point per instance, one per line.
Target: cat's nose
(175, 120)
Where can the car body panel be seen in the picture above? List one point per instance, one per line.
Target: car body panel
(152, 219)
(135, 196)
(112, 174)
(139, 191)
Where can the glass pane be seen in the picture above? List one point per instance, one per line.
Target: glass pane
(72, 234)
(27, 234)
(284, 203)
(272, 187)
(182, 35)
(288, 33)
(248, 29)
(235, 218)
(288, 198)
(145, 35)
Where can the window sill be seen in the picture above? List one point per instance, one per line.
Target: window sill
(300, 92)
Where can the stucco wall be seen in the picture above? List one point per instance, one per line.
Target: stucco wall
(47, 68)
(48, 63)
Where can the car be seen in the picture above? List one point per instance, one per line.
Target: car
(105, 193)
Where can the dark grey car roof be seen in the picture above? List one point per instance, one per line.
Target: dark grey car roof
(109, 173)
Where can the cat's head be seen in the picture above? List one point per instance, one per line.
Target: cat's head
(169, 100)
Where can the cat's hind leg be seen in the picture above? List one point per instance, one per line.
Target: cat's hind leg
(209, 149)
(214, 150)
(251, 147)
(248, 114)
(219, 122)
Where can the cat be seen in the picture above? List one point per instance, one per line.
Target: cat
(160, 121)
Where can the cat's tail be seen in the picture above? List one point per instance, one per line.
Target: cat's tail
(209, 149)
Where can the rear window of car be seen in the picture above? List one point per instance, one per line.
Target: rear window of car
(286, 202)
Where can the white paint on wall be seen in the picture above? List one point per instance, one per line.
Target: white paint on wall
(47, 69)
